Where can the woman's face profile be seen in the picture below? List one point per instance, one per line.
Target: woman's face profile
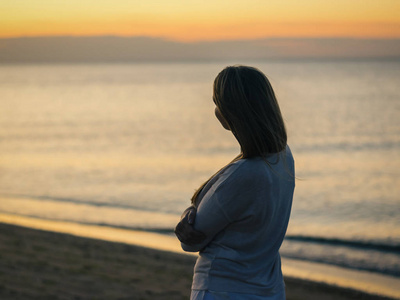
(221, 119)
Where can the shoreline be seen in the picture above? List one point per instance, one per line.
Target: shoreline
(301, 277)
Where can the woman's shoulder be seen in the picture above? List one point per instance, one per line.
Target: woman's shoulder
(258, 168)
(244, 170)
(263, 165)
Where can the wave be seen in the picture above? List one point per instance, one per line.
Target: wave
(77, 201)
(372, 245)
(372, 256)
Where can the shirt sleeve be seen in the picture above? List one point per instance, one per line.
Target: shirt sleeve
(227, 201)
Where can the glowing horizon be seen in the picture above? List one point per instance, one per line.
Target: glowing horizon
(195, 20)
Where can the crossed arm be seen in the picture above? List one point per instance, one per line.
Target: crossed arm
(185, 231)
(226, 202)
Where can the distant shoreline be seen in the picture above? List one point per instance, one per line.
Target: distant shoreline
(113, 49)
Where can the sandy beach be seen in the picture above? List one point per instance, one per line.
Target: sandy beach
(36, 264)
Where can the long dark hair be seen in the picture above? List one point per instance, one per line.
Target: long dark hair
(246, 100)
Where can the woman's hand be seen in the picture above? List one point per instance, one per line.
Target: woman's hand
(185, 231)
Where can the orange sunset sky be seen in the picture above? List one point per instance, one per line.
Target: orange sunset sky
(195, 20)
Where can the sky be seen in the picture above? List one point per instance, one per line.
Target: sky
(207, 20)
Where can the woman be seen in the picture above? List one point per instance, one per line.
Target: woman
(239, 217)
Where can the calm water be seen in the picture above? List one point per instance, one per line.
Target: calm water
(126, 145)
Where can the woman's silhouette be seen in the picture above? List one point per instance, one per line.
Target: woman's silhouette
(239, 217)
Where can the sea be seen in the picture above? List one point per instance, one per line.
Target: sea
(126, 144)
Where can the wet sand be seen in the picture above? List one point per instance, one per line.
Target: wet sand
(37, 264)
